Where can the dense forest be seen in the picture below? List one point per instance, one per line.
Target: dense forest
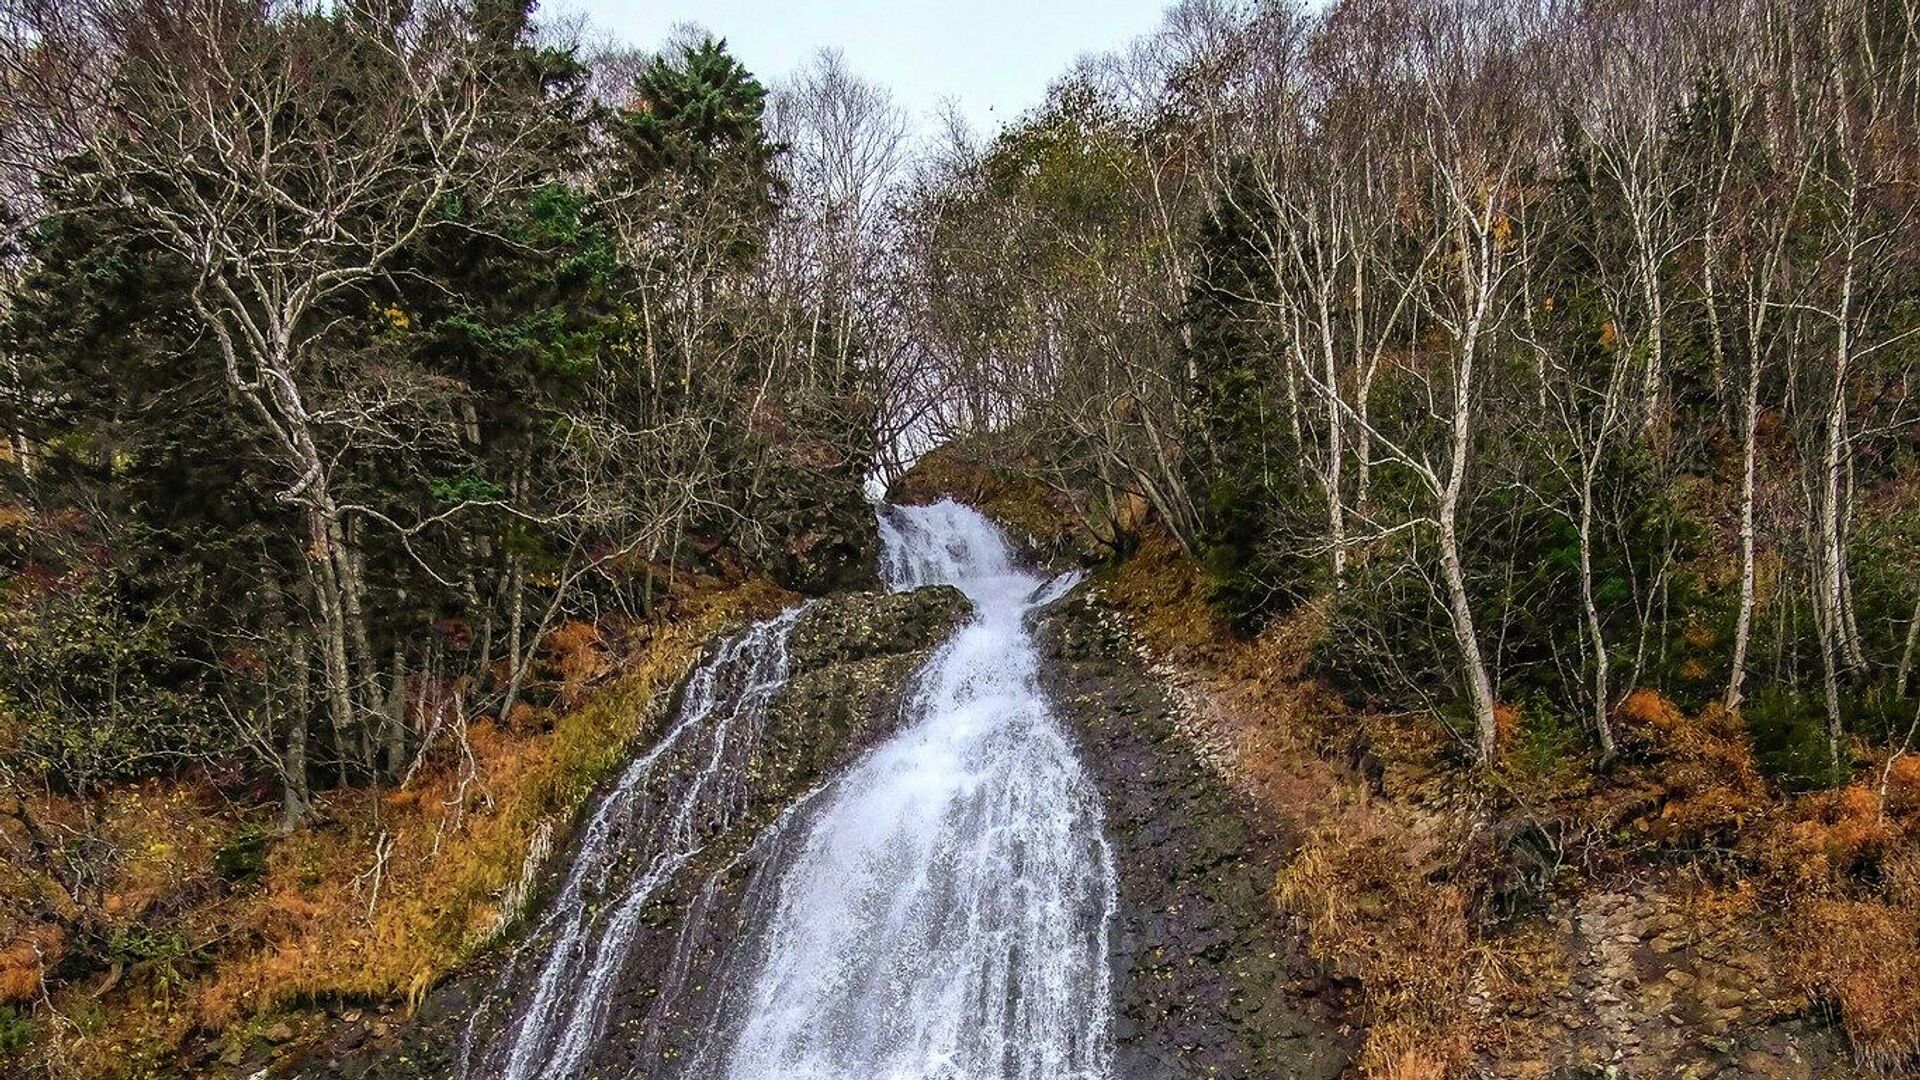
(379, 377)
(1570, 350)
(351, 350)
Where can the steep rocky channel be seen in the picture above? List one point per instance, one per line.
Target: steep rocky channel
(1210, 982)
(1014, 741)
(849, 659)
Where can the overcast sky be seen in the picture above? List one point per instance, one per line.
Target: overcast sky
(993, 58)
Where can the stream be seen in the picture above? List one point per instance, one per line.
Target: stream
(939, 910)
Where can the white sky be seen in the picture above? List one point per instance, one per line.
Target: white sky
(992, 58)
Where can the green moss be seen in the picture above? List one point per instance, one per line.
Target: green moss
(242, 860)
(16, 1030)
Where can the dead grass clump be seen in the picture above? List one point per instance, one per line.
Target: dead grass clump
(1863, 958)
(1829, 839)
(24, 962)
(1902, 782)
(1708, 787)
(577, 656)
(1164, 595)
(1900, 877)
(1373, 912)
(1403, 1051)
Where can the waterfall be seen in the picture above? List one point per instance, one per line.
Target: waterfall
(689, 785)
(944, 916)
(937, 911)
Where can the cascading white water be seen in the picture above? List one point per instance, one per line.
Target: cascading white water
(939, 911)
(945, 915)
(686, 787)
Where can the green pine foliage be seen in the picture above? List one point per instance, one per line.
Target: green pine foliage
(1260, 541)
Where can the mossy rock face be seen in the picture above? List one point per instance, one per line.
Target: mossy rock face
(861, 626)
(817, 533)
(993, 476)
(852, 658)
(1209, 980)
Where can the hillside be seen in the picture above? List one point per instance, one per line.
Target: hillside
(1432, 485)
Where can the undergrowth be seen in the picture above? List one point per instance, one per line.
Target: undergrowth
(1399, 900)
(207, 919)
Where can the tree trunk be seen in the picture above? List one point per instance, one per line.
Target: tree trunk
(296, 797)
(1743, 624)
(322, 570)
(1656, 373)
(1833, 567)
(345, 550)
(516, 611)
(1905, 670)
(1596, 635)
(1336, 451)
(1479, 686)
(396, 716)
(1830, 684)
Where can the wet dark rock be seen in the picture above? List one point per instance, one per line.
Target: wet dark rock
(1209, 980)
(861, 626)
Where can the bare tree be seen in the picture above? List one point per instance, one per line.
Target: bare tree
(231, 145)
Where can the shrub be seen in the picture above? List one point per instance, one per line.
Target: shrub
(243, 859)
(1863, 958)
(164, 954)
(1788, 731)
(1540, 740)
(1387, 641)
(459, 836)
(1710, 787)
(16, 1030)
(97, 685)
(1830, 838)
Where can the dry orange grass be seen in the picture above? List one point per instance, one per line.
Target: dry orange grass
(337, 920)
(1399, 1051)
(24, 963)
(1863, 957)
(1164, 596)
(1709, 787)
(1372, 912)
(578, 656)
(1828, 838)
(137, 856)
(133, 887)
(1849, 863)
